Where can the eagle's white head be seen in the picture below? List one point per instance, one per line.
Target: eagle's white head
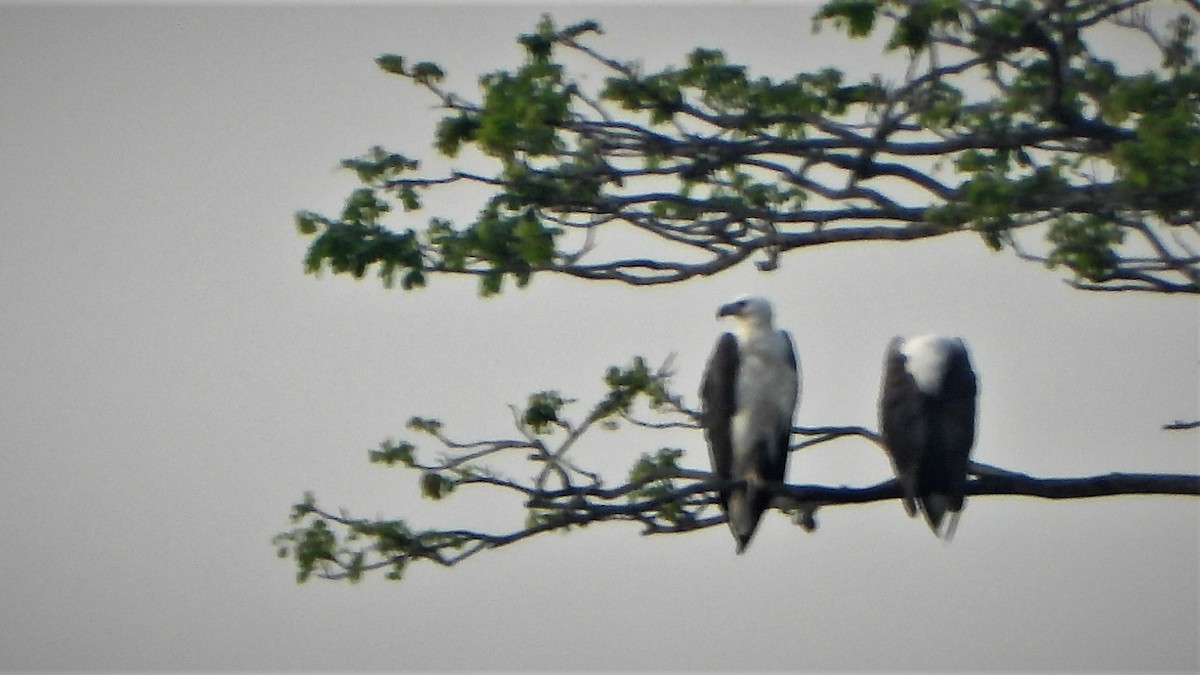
(926, 358)
(752, 313)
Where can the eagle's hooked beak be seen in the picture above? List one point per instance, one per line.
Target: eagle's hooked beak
(732, 309)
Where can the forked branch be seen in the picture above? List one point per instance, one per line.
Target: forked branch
(659, 494)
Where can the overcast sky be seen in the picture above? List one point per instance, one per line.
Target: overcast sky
(172, 382)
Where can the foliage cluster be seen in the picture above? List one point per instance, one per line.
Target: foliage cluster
(1008, 120)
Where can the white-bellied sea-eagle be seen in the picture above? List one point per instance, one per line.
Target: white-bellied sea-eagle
(749, 394)
(927, 419)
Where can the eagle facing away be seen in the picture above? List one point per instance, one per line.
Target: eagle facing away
(927, 419)
(749, 394)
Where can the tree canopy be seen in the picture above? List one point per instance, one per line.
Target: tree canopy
(1007, 121)
(1008, 124)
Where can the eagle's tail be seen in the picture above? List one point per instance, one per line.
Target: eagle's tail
(936, 506)
(744, 510)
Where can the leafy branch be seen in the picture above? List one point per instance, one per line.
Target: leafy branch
(659, 494)
(1006, 125)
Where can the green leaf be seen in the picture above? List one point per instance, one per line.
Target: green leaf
(575, 30)
(435, 486)
(392, 63)
(535, 242)
(380, 166)
(413, 279)
(663, 460)
(390, 453)
(355, 570)
(1084, 245)
(657, 468)
(542, 410)
(491, 283)
(425, 424)
(308, 222)
(316, 544)
(427, 73)
(396, 573)
(363, 207)
(539, 44)
(856, 17)
(627, 384)
(914, 29)
(391, 536)
(304, 507)
(1180, 51)
(452, 132)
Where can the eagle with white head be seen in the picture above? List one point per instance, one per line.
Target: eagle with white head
(749, 394)
(927, 419)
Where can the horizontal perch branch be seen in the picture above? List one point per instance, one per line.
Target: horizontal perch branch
(1012, 484)
(394, 546)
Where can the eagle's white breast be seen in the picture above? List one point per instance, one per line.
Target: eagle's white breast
(766, 395)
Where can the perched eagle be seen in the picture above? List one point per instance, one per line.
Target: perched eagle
(748, 395)
(927, 417)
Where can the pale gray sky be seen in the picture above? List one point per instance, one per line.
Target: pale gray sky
(172, 382)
